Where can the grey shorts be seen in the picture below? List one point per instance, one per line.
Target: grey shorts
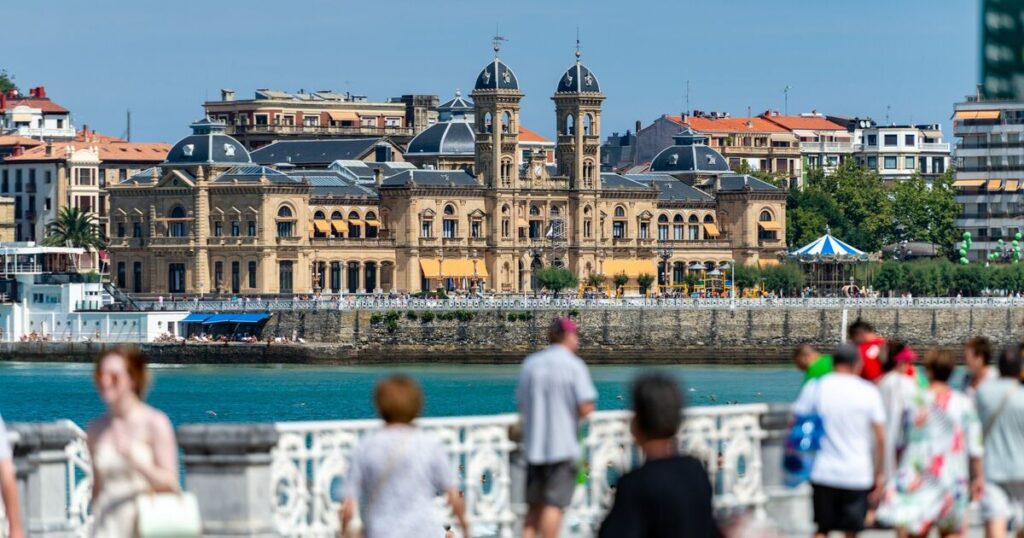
(551, 484)
(1004, 500)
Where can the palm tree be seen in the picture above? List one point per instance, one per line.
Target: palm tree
(75, 228)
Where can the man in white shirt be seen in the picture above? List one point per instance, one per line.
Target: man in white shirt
(9, 486)
(555, 392)
(848, 468)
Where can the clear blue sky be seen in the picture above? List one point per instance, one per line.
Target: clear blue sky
(162, 59)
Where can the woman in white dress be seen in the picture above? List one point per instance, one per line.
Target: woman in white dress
(132, 445)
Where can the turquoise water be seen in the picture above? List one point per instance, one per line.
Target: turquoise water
(189, 394)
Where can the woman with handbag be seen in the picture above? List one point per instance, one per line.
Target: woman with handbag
(396, 472)
(132, 446)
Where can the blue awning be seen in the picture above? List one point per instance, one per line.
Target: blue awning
(236, 318)
(195, 318)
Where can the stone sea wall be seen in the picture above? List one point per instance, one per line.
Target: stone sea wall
(608, 335)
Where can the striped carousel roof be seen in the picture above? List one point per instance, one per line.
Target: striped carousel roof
(828, 247)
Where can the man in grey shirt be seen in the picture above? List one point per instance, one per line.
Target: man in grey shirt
(9, 487)
(555, 392)
(1000, 404)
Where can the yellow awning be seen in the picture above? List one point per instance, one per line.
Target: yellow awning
(968, 182)
(767, 263)
(373, 222)
(994, 185)
(433, 268)
(770, 225)
(343, 115)
(632, 268)
(710, 229)
(355, 222)
(322, 226)
(977, 115)
(1011, 185)
(340, 226)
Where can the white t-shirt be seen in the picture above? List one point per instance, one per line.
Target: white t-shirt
(5, 444)
(848, 406)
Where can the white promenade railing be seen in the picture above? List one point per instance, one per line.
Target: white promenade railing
(312, 459)
(532, 303)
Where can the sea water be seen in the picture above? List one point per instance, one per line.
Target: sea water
(34, 392)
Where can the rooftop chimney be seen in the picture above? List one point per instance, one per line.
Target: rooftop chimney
(637, 124)
(17, 150)
(227, 95)
(378, 175)
(49, 148)
(38, 91)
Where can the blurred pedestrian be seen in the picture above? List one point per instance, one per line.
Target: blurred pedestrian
(848, 467)
(898, 388)
(132, 445)
(869, 343)
(396, 472)
(9, 487)
(811, 362)
(670, 495)
(555, 393)
(1000, 405)
(938, 470)
(978, 362)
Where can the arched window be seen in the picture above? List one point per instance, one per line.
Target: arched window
(586, 210)
(677, 227)
(588, 124)
(506, 173)
(570, 124)
(588, 173)
(449, 209)
(620, 211)
(709, 219)
(319, 215)
(693, 228)
(371, 224)
(449, 226)
(504, 209)
(487, 125)
(355, 225)
(766, 216)
(663, 218)
(693, 218)
(555, 211)
(336, 215)
(506, 122)
(663, 227)
(284, 212)
(534, 211)
(179, 226)
(285, 228)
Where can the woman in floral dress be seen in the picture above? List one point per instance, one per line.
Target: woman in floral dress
(938, 468)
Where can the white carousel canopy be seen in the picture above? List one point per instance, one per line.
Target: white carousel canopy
(828, 247)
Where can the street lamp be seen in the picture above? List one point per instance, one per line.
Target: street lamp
(476, 283)
(731, 266)
(665, 253)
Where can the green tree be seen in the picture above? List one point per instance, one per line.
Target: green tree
(889, 277)
(7, 81)
(853, 201)
(786, 278)
(556, 279)
(75, 228)
(620, 280)
(596, 280)
(926, 214)
(645, 280)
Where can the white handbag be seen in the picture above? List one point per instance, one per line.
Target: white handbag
(169, 515)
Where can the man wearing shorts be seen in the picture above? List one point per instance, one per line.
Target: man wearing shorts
(555, 392)
(1000, 404)
(848, 468)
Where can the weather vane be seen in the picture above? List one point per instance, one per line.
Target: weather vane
(498, 39)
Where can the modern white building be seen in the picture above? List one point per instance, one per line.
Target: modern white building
(990, 172)
(35, 116)
(896, 152)
(44, 297)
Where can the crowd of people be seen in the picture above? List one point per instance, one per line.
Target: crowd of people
(902, 447)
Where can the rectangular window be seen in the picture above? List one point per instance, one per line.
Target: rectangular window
(6, 185)
(643, 230)
(218, 275)
(450, 228)
(122, 275)
(872, 140)
(17, 180)
(425, 227)
(535, 229)
(663, 232)
(136, 229)
(284, 277)
(48, 177)
(252, 228)
(908, 140)
(286, 229)
(252, 275)
(236, 277)
(618, 229)
(218, 229)
(890, 162)
(677, 232)
(47, 204)
(474, 229)
(236, 228)
(120, 229)
(909, 162)
(891, 140)
(693, 232)
(505, 228)
(587, 228)
(392, 122)
(873, 162)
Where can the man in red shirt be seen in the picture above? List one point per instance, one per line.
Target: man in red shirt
(870, 344)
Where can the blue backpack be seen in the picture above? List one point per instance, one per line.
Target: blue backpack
(802, 445)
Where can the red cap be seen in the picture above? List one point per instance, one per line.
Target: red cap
(567, 325)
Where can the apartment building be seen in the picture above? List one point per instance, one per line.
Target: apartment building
(824, 144)
(277, 115)
(34, 116)
(990, 171)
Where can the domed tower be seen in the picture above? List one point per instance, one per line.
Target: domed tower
(578, 101)
(496, 99)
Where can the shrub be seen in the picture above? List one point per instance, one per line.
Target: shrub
(375, 319)
(410, 315)
(556, 279)
(392, 325)
(392, 315)
(644, 280)
(463, 315)
(620, 280)
(596, 280)
(574, 312)
(427, 316)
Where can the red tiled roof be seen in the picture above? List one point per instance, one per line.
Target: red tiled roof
(108, 151)
(43, 104)
(728, 125)
(810, 123)
(15, 140)
(526, 135)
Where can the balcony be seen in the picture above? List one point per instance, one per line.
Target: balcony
(317, 130)
(294, 241)
(935, 146)
(993, 168)
(826, 147)
(231, 241)
(125, 242)
(169, 241)
(373, 242)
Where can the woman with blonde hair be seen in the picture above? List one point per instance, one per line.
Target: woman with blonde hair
(397, 471)
(132, 445)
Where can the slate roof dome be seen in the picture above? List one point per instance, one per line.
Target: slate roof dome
(690, 153)
(456, 105)
(445, 138)
(578, 79)
(208, 145)
(496, 76)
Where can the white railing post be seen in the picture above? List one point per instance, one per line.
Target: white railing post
(54, 477)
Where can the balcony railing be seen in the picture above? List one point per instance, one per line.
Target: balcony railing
(827, 147)
(235, 240)
(351, 242)
(169, 241)
(318, 130)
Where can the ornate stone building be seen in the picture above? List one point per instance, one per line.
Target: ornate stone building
(209, 220)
